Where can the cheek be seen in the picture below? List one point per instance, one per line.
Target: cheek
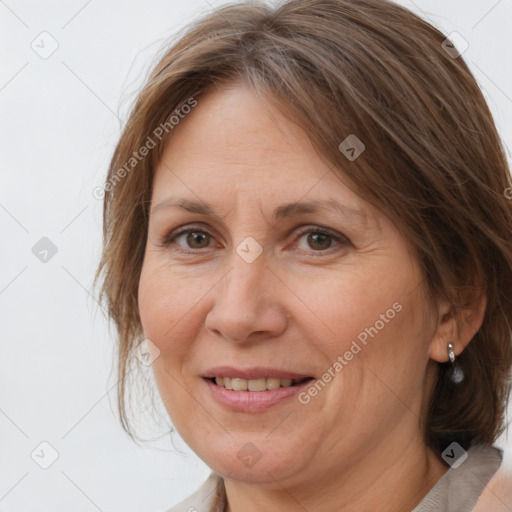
(172, 305)
(163, 306)
(378, 362)
(165, 312)
(152, 301)
(374, 320)
(351, 305)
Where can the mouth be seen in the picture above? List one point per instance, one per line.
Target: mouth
(253, 389)
(256, 385)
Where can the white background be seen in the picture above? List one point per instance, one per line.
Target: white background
(59, 124)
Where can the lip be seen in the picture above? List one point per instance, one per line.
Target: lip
(256, 372)
(252, 401)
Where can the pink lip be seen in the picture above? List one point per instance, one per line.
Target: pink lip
(258, 372)
(252, 401)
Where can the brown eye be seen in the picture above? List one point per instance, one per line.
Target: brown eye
(319, 241)
(191, 238)
(196, 239)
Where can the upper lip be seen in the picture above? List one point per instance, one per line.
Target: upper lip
(256, 372)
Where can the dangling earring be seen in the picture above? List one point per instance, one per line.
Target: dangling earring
(457, 373)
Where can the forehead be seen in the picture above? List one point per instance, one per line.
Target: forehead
(233, 126)
(235, 146)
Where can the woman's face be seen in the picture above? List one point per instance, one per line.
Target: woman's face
(284, 274)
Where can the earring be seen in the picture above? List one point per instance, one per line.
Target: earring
(457, 373)
(451, 355)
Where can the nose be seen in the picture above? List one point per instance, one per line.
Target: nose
(249, 303)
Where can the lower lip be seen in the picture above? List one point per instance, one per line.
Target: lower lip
(253, 401)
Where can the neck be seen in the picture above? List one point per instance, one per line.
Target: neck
(394, 478)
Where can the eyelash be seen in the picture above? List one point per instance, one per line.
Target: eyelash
(170, 239)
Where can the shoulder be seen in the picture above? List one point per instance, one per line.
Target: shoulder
(200, 500)
(497, 495)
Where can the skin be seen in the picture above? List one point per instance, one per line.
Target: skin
(358, 444)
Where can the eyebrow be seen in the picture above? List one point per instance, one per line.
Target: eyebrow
(281, 212)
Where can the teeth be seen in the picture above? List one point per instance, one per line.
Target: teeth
(237, 384)
(273, 383)
(257, 385)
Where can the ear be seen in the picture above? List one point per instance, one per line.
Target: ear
(457, 326)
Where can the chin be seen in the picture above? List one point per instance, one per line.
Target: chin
(251, 458)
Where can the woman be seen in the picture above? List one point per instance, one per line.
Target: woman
(306, 220)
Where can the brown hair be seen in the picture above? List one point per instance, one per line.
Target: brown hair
(433, 163)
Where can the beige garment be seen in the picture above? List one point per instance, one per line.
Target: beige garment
(458, 490)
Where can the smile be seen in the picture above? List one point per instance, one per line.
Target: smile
(254, 389)
(262, 384)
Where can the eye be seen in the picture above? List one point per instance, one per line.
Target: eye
(193, 237)
(321, 239)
